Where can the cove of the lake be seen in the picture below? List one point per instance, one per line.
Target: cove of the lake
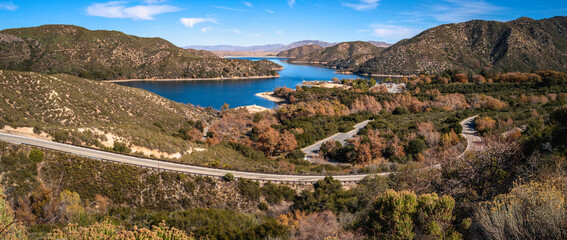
(214, 93)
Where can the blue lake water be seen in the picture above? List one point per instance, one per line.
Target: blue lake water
(214, 93)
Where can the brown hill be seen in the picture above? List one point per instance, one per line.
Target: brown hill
(94, 113)
(344, 55)
(299, 51)
(520, 45)
(114, 55)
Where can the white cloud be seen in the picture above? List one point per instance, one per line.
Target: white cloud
(154, 1)
(459, 10)
(8, 6)
(391, 33)
(236, 31)
(206, 29)
(363, 5)
(191, 22)
(254, 34)
(231, 9)
(248, 4)
(270, 11)
(119, 9)
(280, 32)
(290, 3)
(450, 11)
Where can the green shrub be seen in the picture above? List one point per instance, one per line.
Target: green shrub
(36, 155)
(37, 130)
(263, 206)
(328, 195)
(400, 110)
(19, 173)
(247, 151)
(199, 125)
(416, 146)
(274, 193)
(404, 215)
(257, 117)
(228, 177)
(295, 154)
(453, 123)
(249, 189)
(60, 136)
(225, 224)
(121, 147)
(300, 162)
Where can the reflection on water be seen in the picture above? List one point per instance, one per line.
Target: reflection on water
(236, 93)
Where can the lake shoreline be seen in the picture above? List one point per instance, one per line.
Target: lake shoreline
(386, 75)
(261, 57)
(214, 93)
(254, 108)
(192, 79)
(270, 96)
(322, 64)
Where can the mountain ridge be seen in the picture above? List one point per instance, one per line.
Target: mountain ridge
(299, 51)
(475, 46)
(273, 47)
(344, 55)
(110, 55)
(523, 45)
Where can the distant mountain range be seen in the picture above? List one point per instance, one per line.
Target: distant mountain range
(261, 48)
(523, 45)
(114, 55)
(273, 47)
(380, 44)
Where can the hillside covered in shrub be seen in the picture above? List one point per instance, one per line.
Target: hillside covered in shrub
(110, 55)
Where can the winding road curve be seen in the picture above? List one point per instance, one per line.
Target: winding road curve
(312, 151)
(473, 139)
(170, 166)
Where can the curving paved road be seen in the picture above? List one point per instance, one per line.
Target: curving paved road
(474, 141)
(312, 151)
(169, 166)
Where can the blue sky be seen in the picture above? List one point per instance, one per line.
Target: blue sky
(254, 22)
